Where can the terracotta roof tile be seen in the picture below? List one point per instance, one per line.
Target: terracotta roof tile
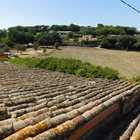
(37, 104)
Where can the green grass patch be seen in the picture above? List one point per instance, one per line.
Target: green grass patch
(70, 66)
(136, 79)
(4, 59)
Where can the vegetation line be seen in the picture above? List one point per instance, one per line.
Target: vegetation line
(70, 66)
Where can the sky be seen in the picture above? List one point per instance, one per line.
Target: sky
(65, 12)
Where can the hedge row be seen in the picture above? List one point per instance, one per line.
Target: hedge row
(70, 66)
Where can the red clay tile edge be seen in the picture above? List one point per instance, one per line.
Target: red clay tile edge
(82, 130)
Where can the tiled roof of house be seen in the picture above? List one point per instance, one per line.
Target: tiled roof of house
(37, 104)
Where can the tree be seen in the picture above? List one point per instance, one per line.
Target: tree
(74, 28)
(117, 30)
(4, 48)
(100, 25)
(20, 37)
(36, 46)
(55, 28)
(126, 42)
(8, 42)
(108, 43)
(20, 47)
(3, 33)
(49, 39)
(43, 39)
(56, 45)
(137, 44)
(90, 32)
(44, 50)
(55, 37)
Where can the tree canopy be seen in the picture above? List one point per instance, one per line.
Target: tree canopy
(47, 35)
(49, 39)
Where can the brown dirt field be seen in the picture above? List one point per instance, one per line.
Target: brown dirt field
(32, 53)
(127, 63)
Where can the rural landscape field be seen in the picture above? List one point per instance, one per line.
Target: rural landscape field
(127, 63)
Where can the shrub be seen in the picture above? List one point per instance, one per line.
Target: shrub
(56, 45)
(70, 66)
(20, 47)
(4, 48)
(108, 43)
(137, 79)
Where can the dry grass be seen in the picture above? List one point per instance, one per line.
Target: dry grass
(32, 53)
(127, 63)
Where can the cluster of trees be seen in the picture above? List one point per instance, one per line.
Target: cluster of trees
(4, 48)
(125, 42)
(71, 27)
(107, 30)
(49, 39)
(16, 37)
(19, 37)
(127, 38)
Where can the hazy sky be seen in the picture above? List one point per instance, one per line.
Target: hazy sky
(82, 12)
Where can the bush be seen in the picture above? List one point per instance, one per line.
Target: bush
(137, 79)
(20, 47)
(56, 45)
(108, 43)
(70, 66)
(4, 48)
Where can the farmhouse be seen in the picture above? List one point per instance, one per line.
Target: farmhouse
(37, 104)
(88, 38)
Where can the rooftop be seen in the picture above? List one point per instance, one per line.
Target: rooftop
(37, 104)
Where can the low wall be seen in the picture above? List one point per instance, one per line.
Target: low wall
(96, 128)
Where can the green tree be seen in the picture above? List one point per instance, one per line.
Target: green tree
(137, 44)
(3, 34)
(126, 42)
(8, 42)
(44, 50)
(20, 47)
(56, 45)
(108, 43)
(20, 37)
(49, 39)
(43, 39)
(36, 46)
(74, 28)
(4, 48)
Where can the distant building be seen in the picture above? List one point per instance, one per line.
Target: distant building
(87, 38)
(89, 41)
(64, 34)
(114, 36)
